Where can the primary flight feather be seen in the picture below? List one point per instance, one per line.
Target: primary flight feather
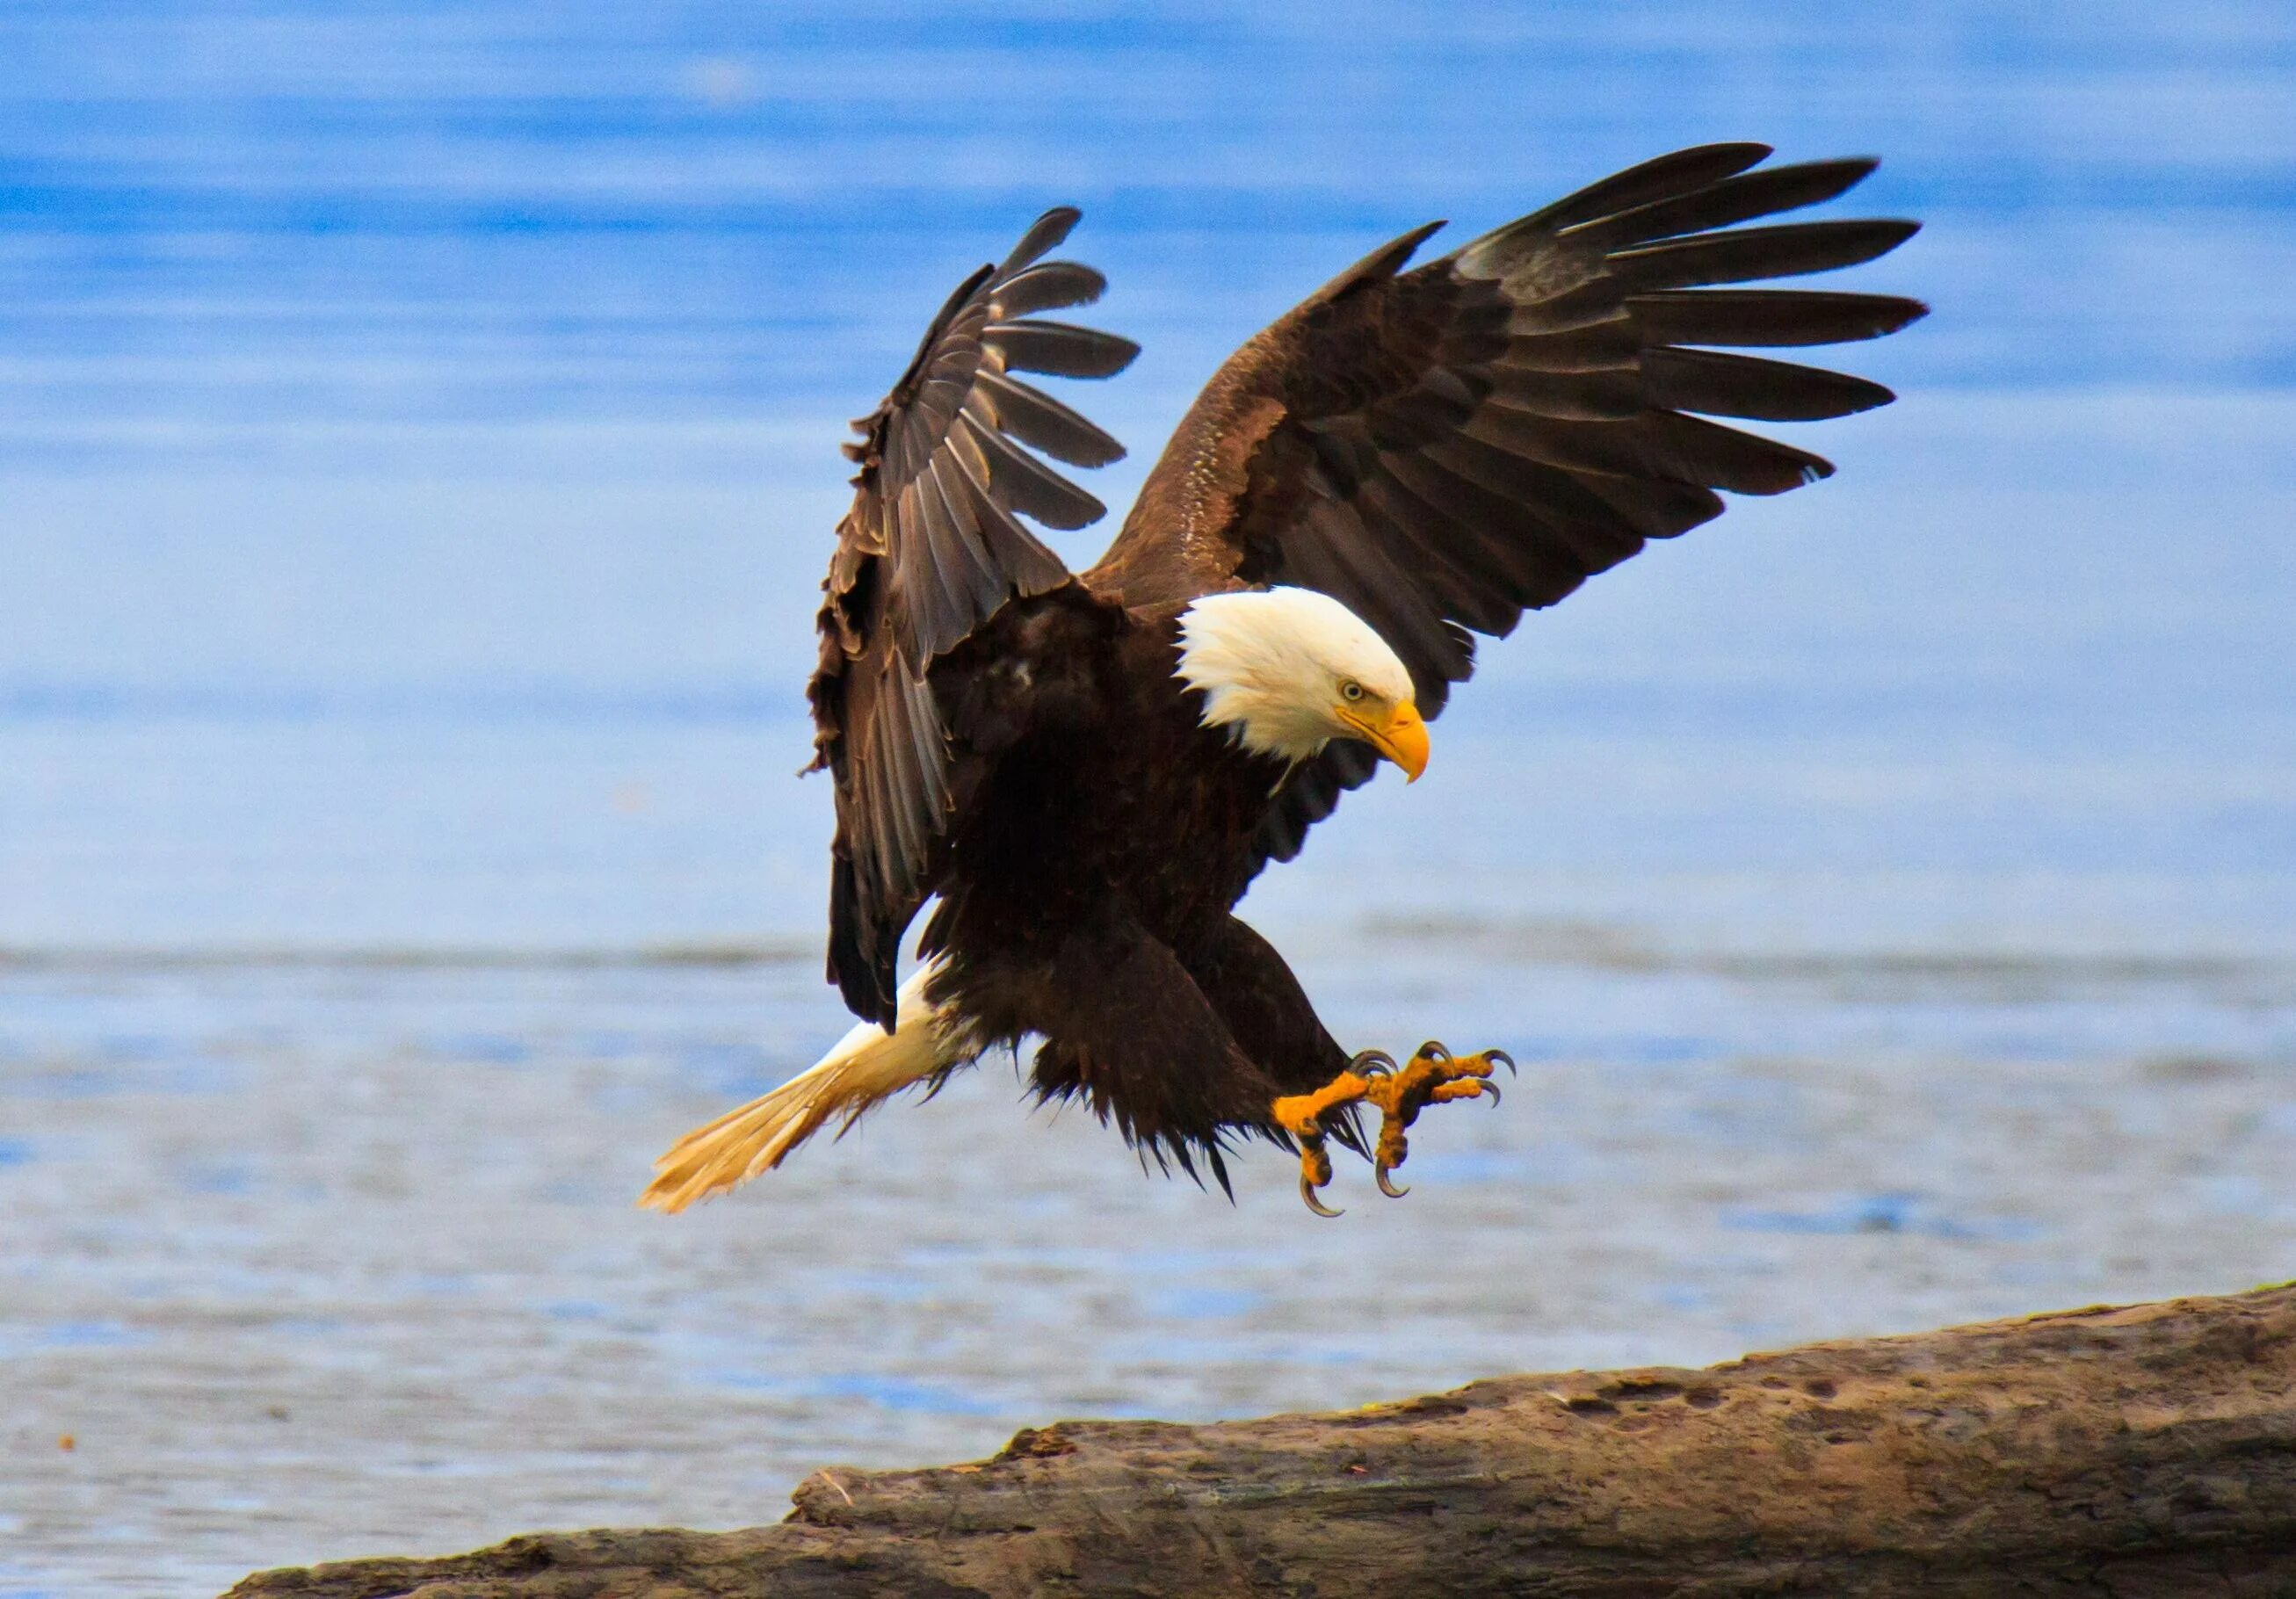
(1087, 770)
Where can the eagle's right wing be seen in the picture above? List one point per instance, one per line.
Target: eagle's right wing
(928, 554)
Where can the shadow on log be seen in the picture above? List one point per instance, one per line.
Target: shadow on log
(2145, 1451)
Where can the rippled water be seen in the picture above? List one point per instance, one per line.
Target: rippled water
(416, 463)
(322, 1260)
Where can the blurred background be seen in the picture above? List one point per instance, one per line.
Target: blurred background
(417, 459)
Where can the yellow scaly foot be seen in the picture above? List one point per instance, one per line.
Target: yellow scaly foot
(1432, 1075)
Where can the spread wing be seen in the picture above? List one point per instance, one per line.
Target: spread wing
(1443, 449)
(930, 551)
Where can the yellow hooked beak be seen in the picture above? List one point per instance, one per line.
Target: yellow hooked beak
(1401, 736)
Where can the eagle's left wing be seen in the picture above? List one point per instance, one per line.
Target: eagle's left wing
(1442, 448)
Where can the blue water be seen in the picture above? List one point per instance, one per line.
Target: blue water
(417, 434)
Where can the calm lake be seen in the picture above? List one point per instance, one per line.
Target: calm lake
(417, 459)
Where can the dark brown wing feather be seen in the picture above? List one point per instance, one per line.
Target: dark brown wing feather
(1443, 449)
(930, 550)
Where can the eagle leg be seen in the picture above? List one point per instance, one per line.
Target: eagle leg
(1433, 1076)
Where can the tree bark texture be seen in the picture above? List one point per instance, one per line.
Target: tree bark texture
(2142, 1451)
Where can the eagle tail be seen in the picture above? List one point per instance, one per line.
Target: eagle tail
(867, 1066)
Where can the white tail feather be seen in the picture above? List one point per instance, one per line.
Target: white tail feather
(867, 1065)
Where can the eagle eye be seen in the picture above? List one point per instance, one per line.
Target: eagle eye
(1350, 689)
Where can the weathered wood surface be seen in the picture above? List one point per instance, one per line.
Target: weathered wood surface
(2142, 1451)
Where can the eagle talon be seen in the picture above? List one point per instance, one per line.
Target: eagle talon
(1307, 1196)
(1500, 1057)
(1434, 1076)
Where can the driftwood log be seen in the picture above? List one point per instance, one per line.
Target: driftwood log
(2143, 1451)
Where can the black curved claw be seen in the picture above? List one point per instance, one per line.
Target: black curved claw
(1308, 1193)
(1432, 1050)
(1490, 1088)
(1373, 1063)
(1504, 1059)
(1387, 1187)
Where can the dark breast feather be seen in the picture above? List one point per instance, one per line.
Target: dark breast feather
(930, 550)
(1443, 449)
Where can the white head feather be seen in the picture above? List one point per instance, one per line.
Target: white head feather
(1273, 664)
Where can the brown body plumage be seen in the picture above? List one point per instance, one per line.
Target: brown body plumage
(1437, 448)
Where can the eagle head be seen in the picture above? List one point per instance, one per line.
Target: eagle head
(1287, 670)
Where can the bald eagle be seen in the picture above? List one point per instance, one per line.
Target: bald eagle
(1088, 769)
